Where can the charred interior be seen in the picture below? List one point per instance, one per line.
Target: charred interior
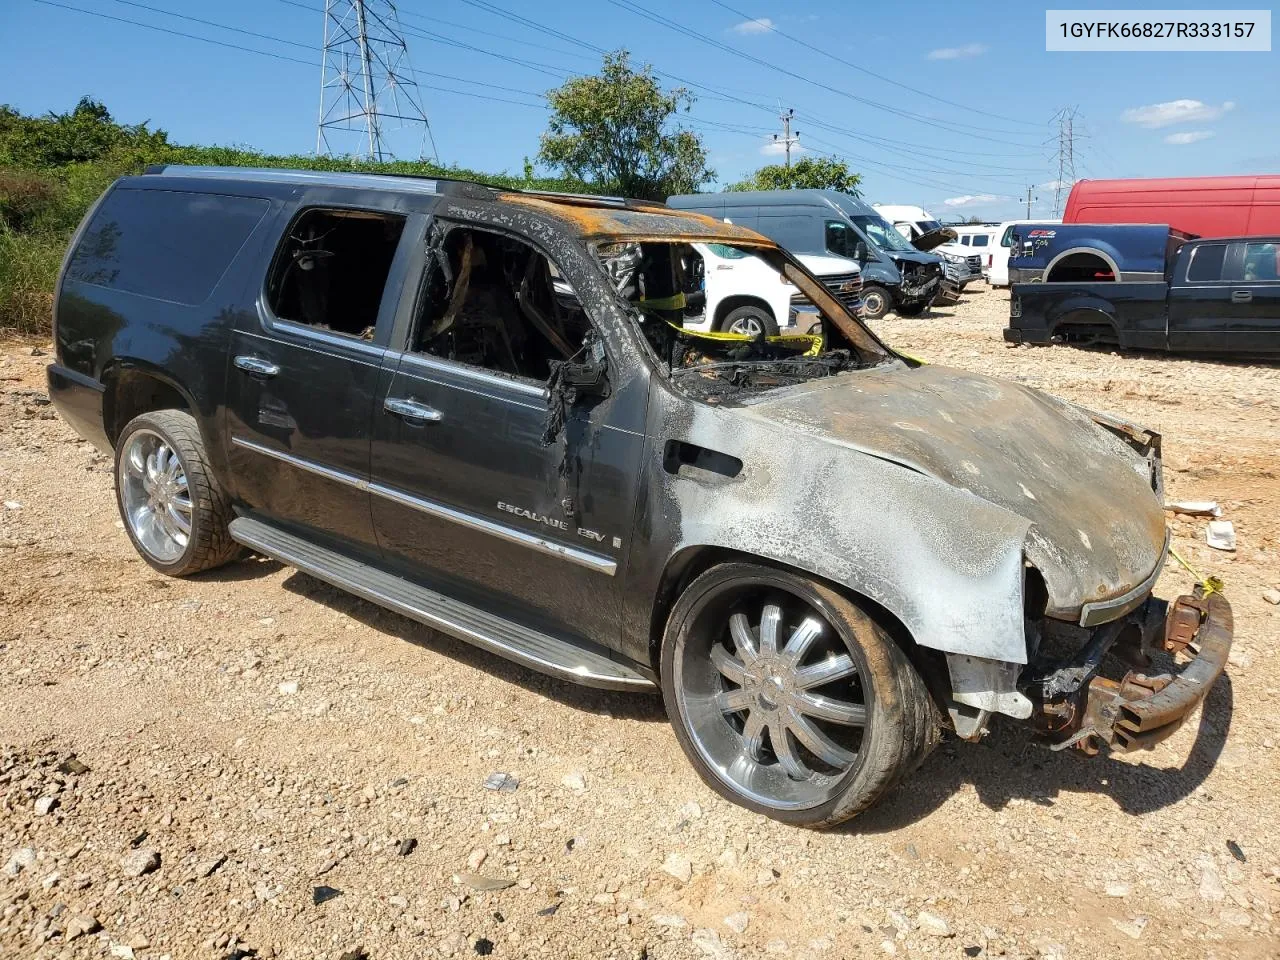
(664, 283)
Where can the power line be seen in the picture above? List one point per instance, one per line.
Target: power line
(772, 28)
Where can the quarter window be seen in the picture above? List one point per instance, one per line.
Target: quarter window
(164, 244)
(331, 270)
(1261, 262)
(1206, 263)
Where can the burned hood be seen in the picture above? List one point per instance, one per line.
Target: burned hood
(1096, 526)
(934, 238)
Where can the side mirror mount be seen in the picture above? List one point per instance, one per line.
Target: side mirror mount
(588, 379)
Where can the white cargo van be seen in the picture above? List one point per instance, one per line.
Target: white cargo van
(998, 268)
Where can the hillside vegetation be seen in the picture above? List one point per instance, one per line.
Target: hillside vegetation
(53, 167)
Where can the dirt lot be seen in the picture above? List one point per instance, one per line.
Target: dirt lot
(264, 735)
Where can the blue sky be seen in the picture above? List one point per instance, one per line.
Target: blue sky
(1152, 114)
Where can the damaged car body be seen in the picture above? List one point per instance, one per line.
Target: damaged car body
(820, 551)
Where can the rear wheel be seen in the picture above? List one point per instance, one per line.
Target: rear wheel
(172, 507)
(750, 321)
(787, 698)
(876, 301)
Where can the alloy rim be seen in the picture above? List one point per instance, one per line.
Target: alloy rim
(773, 700)
(155, 496)
(748, 326)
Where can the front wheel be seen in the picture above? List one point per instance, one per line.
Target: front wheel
(750, 321)
(172, 507)
(912, 309)
(876, 301)
(787, 698)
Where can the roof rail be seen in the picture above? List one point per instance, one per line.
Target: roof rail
(475, 189)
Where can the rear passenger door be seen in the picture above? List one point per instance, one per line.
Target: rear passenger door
(1253, 275)
(305, 367)
(1200, 301)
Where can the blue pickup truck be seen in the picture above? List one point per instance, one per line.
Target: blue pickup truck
(1091, 252)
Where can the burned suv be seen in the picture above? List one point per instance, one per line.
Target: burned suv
(481, 409)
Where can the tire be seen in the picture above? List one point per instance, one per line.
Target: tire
(154, 521)
(750, 316)
(876, 301)
(911, 309)
(715, 719)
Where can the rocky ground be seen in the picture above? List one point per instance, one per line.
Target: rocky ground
(252, 764)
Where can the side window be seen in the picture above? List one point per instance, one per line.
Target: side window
(331, 269)
(1206, 263)
(164, 244)
(1261, 262)
(840, 239)
(492, 301)
(791, 232)
(965, 239)
(981, 239)
(1007, 239)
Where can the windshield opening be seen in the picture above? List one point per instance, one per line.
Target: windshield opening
(881, 233)
(725, 320)
(928, 226)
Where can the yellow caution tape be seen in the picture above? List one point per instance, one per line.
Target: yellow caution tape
(814, 341)
(1209, 584)
(903, 353)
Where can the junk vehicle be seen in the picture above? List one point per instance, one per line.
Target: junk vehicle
(895, 275)
(998, 269)
(1216, 296)
(960, 265)
(1204, 206)
(1088, 252)
(732, 290)
(980, 239)
(479, 408)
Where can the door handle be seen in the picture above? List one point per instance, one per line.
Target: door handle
(1242, 296)
(256, 366)
(412, 410)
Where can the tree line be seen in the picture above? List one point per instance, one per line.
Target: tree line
(617, 132)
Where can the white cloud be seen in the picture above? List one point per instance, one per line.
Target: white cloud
(958, 53)
(759, 25)
(776, 148)
(1157, 115)
(969, 199)
(1189, 136)
(1054, 185)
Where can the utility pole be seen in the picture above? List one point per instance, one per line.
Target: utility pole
(1029, 201)
(367, 87)
(1066, 118)
(787, 140)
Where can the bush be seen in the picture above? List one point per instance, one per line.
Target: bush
(28, 270)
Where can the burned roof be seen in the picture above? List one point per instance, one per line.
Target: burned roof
(636, 221)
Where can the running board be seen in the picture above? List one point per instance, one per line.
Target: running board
(529, 648)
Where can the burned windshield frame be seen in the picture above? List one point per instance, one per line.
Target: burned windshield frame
(621, 260)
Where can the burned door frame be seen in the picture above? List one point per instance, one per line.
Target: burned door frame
(469, 501)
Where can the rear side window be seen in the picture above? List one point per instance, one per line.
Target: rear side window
(980, 239)
(164, 244)
(1206, 263)
(1261, 262)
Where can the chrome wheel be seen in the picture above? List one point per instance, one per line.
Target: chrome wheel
(772, 698)
(154, 495)
(750, 326)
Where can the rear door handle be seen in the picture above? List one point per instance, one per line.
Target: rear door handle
(1242, 296)
(256, 366)
(412, 410)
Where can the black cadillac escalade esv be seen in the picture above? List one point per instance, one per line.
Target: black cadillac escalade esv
(482, 409)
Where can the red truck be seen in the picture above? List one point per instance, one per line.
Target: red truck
(1206, 206)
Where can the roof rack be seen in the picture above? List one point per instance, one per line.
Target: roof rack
(398, 181)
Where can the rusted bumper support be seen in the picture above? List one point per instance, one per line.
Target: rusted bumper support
(1140, 710)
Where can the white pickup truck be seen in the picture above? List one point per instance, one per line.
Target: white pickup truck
(743, 294)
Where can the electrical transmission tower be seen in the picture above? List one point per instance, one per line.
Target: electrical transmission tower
(367, 88)
(1066, 156)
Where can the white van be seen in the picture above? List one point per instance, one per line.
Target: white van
(979, 238)
(961, 264)
(998, 268)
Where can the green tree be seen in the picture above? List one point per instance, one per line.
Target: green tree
(807, 173)
(613, 130)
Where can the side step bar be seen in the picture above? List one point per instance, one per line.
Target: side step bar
(530, 648)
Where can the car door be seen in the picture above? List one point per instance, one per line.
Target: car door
(1200, 300)
(1252, 321)
(470, 501)
(300, 390)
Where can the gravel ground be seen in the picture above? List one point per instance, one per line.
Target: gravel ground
(186, 767)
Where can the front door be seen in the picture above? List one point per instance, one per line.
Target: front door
(305, 369)
(468, 499)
